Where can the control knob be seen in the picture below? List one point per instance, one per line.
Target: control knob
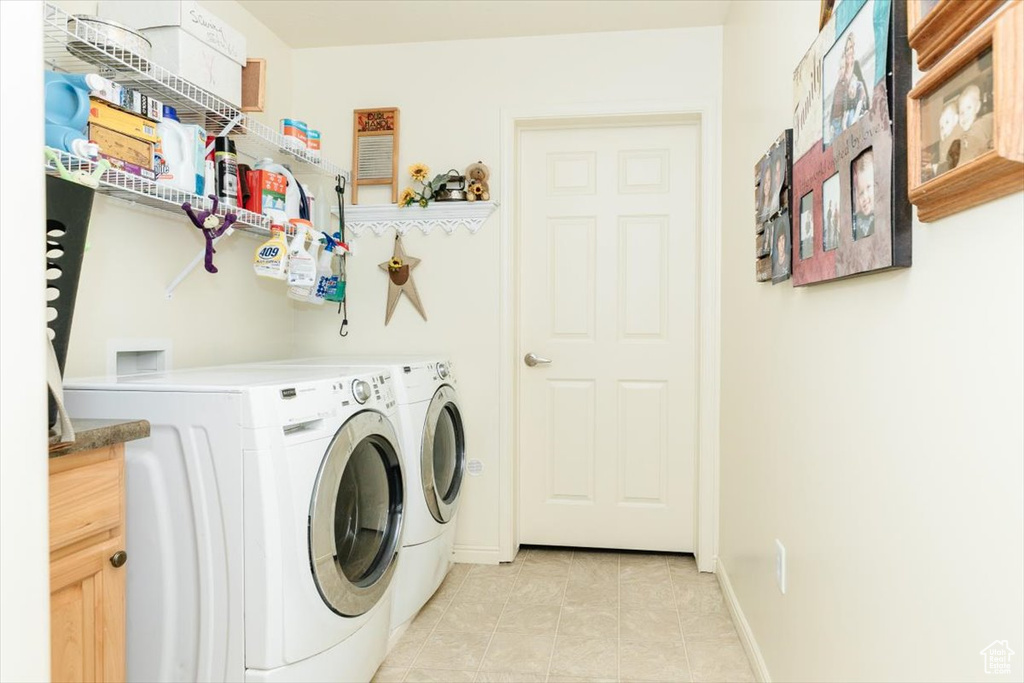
(442, 370)
(361, 391)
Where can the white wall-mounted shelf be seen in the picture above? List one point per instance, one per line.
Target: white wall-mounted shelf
(448, 216)
(83, 50)
(138, 190)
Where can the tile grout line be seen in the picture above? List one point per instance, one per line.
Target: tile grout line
(558, 621)
(433, 628)
(679, 620)
(618, 617)
(504, 606)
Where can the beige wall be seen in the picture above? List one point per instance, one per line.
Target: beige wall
(134, 254)
(872, 425)
(451, 95)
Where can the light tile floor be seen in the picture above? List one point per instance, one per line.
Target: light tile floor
(565, 615)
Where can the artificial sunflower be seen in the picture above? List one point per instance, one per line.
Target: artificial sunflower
(395, 264)
(419, 172)
(477, 189)
(407, 196)
(423, 203)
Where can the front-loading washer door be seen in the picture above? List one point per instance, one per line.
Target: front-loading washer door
(443, 454)
(356, 514)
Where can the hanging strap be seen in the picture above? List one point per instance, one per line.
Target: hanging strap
(339, 188)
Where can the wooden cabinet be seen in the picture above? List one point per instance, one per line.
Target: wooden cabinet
(87, 572)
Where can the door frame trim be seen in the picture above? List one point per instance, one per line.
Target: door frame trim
(709, 309)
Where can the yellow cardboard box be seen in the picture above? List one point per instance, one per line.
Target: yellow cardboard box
(114, 119)
(117, 145)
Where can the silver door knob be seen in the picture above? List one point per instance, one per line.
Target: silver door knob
(531, 359)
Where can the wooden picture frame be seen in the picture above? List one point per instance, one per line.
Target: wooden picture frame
(375, 135)
(825, 12)
(934, 31)
(989, 174)
(254, 84)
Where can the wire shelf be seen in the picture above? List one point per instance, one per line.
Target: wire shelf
(83, 49)
(138, 190)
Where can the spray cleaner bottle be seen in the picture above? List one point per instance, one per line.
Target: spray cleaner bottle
(326, 280)
(271, 258)
(301, 266)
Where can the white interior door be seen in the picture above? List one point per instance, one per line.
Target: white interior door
(608, 291)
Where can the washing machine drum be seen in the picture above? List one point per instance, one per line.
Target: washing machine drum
(443, 454)
(356, 514)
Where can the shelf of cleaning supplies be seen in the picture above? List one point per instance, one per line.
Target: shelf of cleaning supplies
(137, 190)
(445, 215)
(82, 49)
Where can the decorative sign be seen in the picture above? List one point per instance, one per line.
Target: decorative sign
(375, 150)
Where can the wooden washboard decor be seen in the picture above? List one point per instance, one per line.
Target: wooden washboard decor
(375, 150)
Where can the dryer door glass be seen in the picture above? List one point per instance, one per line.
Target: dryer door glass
(363, 512)
(356, 514)
(443, 454)
(447, 454)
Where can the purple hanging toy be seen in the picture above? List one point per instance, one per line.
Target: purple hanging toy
(212, 225)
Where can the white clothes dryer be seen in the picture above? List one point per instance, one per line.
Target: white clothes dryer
(434, 445)
(264, 521)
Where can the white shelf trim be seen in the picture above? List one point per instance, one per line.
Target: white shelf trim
(448, 216)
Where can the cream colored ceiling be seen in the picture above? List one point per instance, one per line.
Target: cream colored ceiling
(313, 23)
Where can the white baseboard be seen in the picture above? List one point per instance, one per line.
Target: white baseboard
(476, 554)
(742, 625)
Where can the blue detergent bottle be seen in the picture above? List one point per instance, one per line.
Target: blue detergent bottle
(67, 110)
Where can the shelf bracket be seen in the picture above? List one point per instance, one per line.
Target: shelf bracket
(169, 292)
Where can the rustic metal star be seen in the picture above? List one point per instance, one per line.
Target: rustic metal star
(399, 270)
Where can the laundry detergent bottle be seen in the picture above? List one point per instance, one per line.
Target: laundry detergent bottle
(271, 259)
(66, 111)
(301, 266)
(176, 152)
(292, 196)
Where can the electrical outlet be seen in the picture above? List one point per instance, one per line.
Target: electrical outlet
(780, 565)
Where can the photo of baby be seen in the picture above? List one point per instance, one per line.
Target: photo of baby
(956, 119)
(807, 226)
(848, 70)
(830, 207)
(864, 195)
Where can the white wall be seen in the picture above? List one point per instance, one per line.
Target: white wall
(451, 95)
(873, 425)
(134, 254)
(25, 555)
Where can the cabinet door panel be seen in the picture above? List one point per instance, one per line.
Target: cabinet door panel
(87, 615)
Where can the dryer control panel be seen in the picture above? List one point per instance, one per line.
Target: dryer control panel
(371, 390)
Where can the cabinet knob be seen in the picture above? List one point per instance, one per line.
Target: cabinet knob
(119, 558)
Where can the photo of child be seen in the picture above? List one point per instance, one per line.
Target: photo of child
(864, 195)
(778, 178)
(830, 204)
(781, 256)
(766, 194)
(807, 226)
(956, 119)
(848, 69)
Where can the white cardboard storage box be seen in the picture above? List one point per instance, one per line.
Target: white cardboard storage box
(189, 40)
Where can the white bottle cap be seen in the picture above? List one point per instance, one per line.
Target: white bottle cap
(83, 148)
(96, 82)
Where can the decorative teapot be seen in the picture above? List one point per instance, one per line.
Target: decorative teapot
(453, 189)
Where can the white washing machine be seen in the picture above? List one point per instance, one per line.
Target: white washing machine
(264, 521)
(434, 446)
